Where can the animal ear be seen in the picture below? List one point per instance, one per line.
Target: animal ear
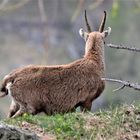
(106, 32)
(83, 34)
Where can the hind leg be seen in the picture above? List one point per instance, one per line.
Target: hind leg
(20, 112)
(14, 107)
(31, 110)
(86, 105)
(73, 110)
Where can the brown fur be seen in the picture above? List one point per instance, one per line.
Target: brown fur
(59, 89)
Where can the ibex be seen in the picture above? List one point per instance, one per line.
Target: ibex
(61, 88)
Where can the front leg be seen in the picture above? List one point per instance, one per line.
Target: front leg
(14, 107)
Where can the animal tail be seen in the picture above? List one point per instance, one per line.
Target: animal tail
(7, 81)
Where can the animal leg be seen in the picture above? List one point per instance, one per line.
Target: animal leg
(20, 112)
(31, 110)
(73, 110)
(14, 107)
(86, 105)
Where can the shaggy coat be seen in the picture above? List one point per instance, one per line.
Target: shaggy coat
(58, 89)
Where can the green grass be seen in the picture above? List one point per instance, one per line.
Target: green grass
(117, 123)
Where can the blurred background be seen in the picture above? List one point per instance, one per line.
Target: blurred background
(45, 32)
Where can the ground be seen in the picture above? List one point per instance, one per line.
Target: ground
(119, 123)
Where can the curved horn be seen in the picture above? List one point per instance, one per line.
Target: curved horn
(87, 25)
(102, 25)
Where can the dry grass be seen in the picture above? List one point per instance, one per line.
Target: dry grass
(120, 123)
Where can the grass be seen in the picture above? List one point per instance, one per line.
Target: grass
(118, 123)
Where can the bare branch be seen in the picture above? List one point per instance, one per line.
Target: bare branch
(123, 47)
(3, 3)
(43, 17)
(95, 4)
(119, 88)
(137, 3)
(78, 10)
(4, 6)
(135, 86)
(42, 11)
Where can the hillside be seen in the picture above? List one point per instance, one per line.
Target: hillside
(119, 123)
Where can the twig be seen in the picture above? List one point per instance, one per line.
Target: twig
(135, 86)
(123, 47)
(3, 3)
(5, 7)
(43, 17)
(78, 10)
(95, 4)
(119, 88)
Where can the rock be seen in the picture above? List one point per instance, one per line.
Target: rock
(8, 132)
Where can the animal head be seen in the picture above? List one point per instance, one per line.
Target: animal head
(91, 37)
(101, 32)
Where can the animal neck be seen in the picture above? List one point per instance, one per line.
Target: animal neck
(95, 52)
